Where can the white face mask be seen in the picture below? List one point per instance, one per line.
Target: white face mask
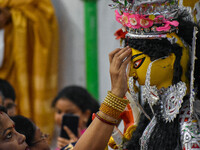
(1, 47)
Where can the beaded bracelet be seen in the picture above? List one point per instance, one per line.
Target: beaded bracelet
(101, 118)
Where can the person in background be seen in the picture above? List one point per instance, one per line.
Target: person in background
(10, 139)
(35, 139)
(1, 99)
(77, 101)
(29, 56)
(8, 97)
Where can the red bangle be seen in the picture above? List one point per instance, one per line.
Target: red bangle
(105, 121)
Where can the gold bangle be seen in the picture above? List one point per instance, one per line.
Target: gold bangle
(116, 97)
(115, 101)
(113, 106)
(110, 111)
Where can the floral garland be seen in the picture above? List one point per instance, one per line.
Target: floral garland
(136, 21)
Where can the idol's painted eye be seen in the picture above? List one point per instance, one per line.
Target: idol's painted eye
(138, 63)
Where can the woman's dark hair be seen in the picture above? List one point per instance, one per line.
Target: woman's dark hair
(80, 97)
(137, 134)
(26, 127)
(3, 109)
(7, 89)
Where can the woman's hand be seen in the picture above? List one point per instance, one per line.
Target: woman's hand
(119, 59)
(61, 142)
(5, 17)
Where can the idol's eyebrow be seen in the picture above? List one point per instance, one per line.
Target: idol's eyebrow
(134, 56)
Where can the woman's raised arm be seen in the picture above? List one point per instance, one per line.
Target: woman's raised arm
(98, 133)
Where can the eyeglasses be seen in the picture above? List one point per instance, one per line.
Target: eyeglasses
(43, 137)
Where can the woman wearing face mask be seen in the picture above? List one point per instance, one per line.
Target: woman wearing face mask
(10, 139)
(35, 139)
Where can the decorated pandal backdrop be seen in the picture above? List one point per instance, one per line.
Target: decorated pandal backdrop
(31, 57)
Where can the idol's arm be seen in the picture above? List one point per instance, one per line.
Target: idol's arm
(98, 133)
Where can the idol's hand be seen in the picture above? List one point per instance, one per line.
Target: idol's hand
(119, 59)
(5, 17)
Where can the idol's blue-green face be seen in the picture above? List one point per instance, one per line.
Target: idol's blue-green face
(161, 71)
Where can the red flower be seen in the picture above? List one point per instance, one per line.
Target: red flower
(120, 34)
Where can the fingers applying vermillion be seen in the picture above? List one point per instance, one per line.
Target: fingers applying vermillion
(122, 51)
(125, 54)
(112, 54)
(126, 61)
(120, 58)
(69, 132)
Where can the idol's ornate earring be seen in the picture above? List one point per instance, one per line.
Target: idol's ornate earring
(170, 98)
(150, 93)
